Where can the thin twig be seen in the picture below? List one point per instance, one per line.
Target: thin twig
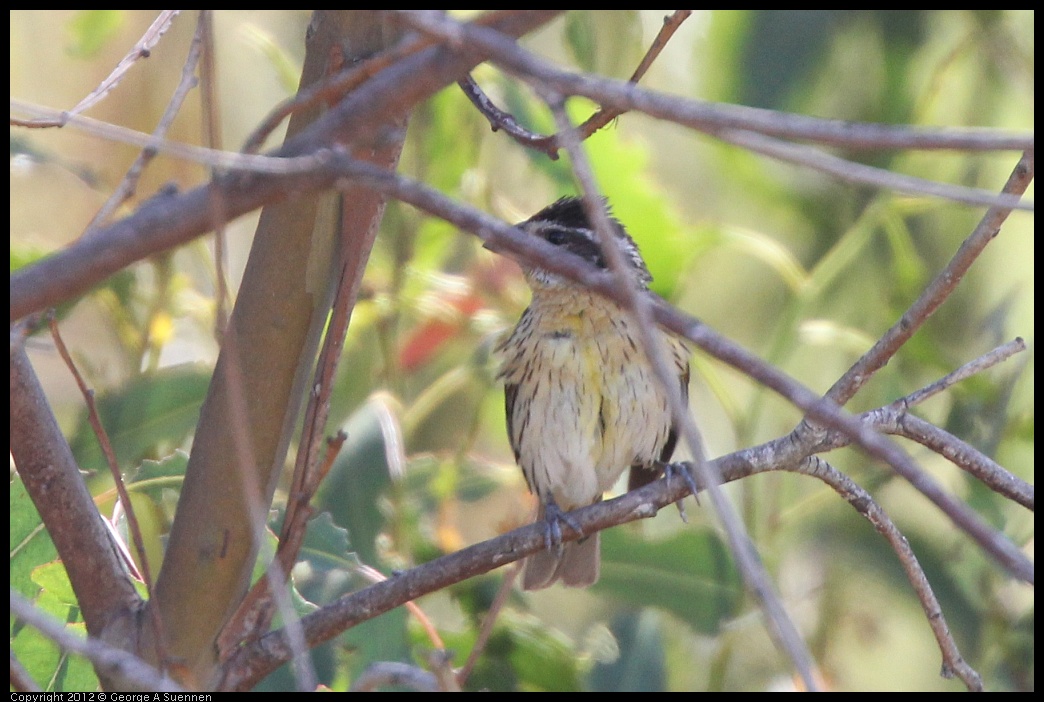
(895, 419)
(212, 158)
(336, 86)
(142, 49)
(714, 118)
(212, 138)
(695, 331)
(330, 89)
(505, 121)
(983, 362)
(671, 24)
(117, 478)
(29, 292)
(967, 458)
(747, 559)
(306, 477)
(953, 662)
(936, 292)
(486, 630)
(539, 253)
(550, 144)
(862, 174)
(118, 664)
(262, 656)
(130, 180)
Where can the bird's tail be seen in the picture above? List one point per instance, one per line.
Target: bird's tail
(575, 563)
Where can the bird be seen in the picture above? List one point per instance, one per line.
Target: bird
(582, 401)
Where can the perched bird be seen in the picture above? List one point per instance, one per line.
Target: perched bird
(582, 401)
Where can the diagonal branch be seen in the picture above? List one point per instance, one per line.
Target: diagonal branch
(257, 659)
(936, 292)
(141, 50)
(52, 478)
(501, 120)
(820, 409)
(861, 501)
(728, 122)
(754, 573)
(173, 219)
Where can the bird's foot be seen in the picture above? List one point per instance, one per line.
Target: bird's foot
(682, 469)
(554, 517)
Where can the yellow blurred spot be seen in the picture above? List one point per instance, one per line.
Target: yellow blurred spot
(161, 329)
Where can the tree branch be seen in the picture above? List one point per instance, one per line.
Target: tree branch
(129, 671)
(747, 126)
(822, 410)
(52, 479)
(169, 220)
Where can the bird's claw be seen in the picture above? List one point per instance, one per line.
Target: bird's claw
(554, 517)
(682, 468)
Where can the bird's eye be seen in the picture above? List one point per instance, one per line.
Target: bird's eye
(556, 237)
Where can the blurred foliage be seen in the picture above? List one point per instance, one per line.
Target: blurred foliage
(802, 270)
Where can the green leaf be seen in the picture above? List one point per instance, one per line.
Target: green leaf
(31, 545)
(152, 478)
(90, 30)
(147, 417)
(691, 575)
(605, 42)
(625, 176)
(581, 39)
(359, 477)
(542, 659)
(325, 538)
(37, 575)
(53, 668)
(52, 578)
(640, 665)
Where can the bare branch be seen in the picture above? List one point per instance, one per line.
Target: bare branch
(506, 122)
(936, 292)
(965, 457)
(395, 81)
(142, 49)
(171, 219)
(550, 145)
(130, 180)
(114, 468)
(336, 86)
(108, 660)
(984, 362)
(258, 658)
(758, 582)
(861, 174)
(212, 158)
(820, 409)
(730, 121)
(953, 662)
(52, 479)
(896, 419)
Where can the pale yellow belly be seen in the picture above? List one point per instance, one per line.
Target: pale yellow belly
(595, 410)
